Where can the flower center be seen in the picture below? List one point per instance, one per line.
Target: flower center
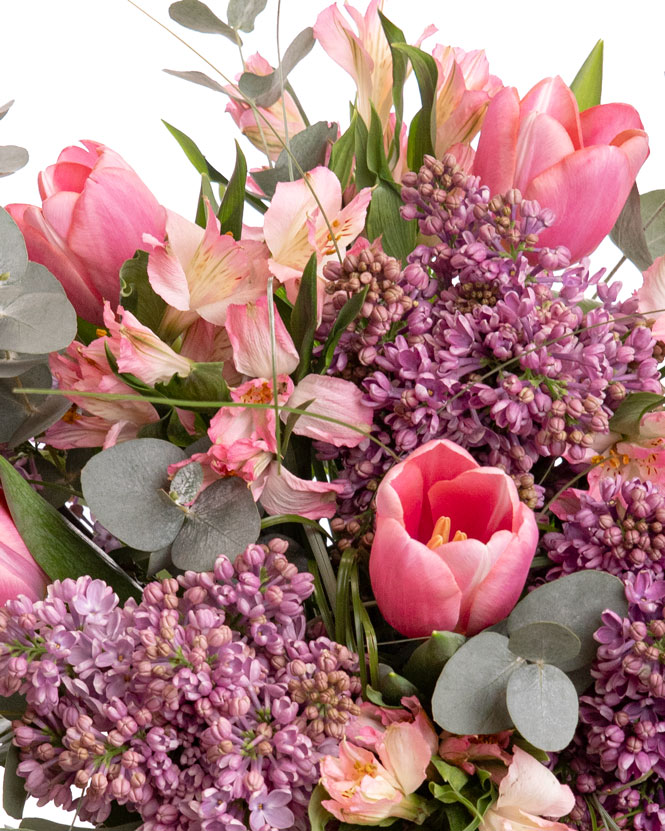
(441, 533)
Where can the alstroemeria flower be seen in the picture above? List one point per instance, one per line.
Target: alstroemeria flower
(651, 296)
(200, 272)
(579, 165)
(139, 351)
(463, 92)
(261, 132)
(295, 228)
(453, 543)
(527, 794)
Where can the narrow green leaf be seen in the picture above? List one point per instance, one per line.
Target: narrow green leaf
(400, 64)
(384, 220)
(376, 155)
(54, 544)
(206, 195)
(13, 788)
(136, 293)
(347, 314)
(231, 208)
(304, 318)
(193, 153)
(363, 176)
(629, 413)
(423, 128)
(588, 82)
(341, 155)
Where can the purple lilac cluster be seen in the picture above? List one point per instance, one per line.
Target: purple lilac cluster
(204, 706)
(617, 760)
(619, 531)
(492, 355)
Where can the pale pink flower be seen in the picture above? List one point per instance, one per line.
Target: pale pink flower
(94, 212)
(19, 573)
(261, 131)
(464, 90)
(368, 786)
(295, 227)
(527, 795)
(200, 273)
(139, 351)
(651, 296)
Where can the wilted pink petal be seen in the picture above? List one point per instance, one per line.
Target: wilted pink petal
(284, 493)
(248, 328)
(335, 398)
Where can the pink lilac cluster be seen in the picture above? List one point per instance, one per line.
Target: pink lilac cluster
(621, 531)
(202, 707)
(618, 756)
(498, 354)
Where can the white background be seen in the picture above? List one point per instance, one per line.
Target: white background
(91, 69)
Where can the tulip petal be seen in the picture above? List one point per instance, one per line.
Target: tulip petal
(336, 398)
(554, 97)
(248, 327)
(602, 123)
(414, 588)
(532, 788)
(542, 141)
(585, 213)
(284, 493)
(496, 154)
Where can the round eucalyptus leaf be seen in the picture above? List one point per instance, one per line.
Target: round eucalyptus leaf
(223, 520)
(12, 158)
(576, 601)
(545, 641)
(35, 314)
(186, 483)
(16, 408)
(48, 410)
(13, 253)
(543, 705)
(470, 695)
(126, 489)
(16, 363)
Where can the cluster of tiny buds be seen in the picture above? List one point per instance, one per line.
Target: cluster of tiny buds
(354, 533)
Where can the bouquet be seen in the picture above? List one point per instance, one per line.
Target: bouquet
(342, 505)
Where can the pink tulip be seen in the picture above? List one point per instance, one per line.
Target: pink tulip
(94, 213)
(464, 90)
(527, 794)
(651, 296)
(453, 543)
(367, 786)
(579, 165)
(261, 131)
(19, 573)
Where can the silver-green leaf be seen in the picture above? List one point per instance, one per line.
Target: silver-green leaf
(241, 14)
(13, 253)
(186, 483)
(543, 705)
(12, 158)
(545, 641)
(265, 90)
(192, 14)
(196, 77)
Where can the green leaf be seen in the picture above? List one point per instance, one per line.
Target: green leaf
(205, 193)
(231, 208)
(341, 155)
(384, 220)
(304, 318)
(241, 14)
(317, 814)
(35, 314)
(394, 687)
(376, 155)
(308, 148)
(205, 382)
(629, 413)
(422, 134)
(13, 706)
(425, 664)
(545, 641)
(363, 176)
(192, 14)
(13, 253)
(12, 158)
(451, 774)
(576, 601)
(347, 314)
(193, 153)
(470, 695)
(186, 483)
(588, 82)
(266, 90)
(126, 488)
(543, 705)
(628, 232)
(653, 218)
(137, 295)
(400, 65)
(196, 77)
(24, 416)
(13, 788)
(55, 545)
(223, 520)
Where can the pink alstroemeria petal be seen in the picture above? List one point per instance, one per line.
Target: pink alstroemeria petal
(406, 754)
(249, 332)
(284, 493)
(651, 296)
(336, 398)
(534, 789)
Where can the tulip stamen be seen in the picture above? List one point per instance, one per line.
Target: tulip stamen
(441, 533)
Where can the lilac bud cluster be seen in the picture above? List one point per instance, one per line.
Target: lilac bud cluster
(204, 706)
(386, 303)
(621, 531)
(493, 356)
(618, 757)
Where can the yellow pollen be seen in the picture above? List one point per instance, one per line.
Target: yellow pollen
(441, 533)
(258, 395)
(71, 416)
(101, 333)
(367, 768)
